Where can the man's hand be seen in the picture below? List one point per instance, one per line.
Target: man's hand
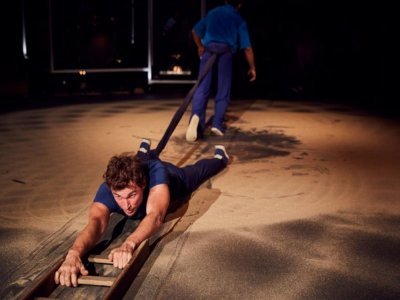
(68, 273)
(252, 74)
(200, 50)
(122, 255)
(249, 54)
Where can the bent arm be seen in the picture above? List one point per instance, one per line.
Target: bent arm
(249, 54)
(157, 206)
(156, 209)
(199, 44)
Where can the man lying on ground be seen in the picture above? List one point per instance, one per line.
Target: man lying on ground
(137, 186)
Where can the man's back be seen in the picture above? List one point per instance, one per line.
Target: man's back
(223, 24)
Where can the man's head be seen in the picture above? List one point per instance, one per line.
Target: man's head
(126, 179)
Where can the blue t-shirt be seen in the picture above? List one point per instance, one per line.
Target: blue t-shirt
(224, 24)
(156, 173)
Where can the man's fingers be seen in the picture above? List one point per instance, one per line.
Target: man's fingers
(67, 279)
(121, 262)
(74, 279)
(120, 258)
(84, 271)
(116, 259)
(62, 282)
(57, 277)
(124, 259)
(111, 256)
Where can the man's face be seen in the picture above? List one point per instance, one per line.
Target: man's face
(129, 198)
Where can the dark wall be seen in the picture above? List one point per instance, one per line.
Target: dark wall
(11, 59)
(304, 48)
(336, 49)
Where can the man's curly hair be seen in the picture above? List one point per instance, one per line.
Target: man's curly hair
(122, 170)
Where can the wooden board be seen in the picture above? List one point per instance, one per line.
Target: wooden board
(105, 281)
(43, 286)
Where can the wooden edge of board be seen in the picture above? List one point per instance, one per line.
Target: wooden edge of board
(125, 278)
(44, 286)
(96, 280)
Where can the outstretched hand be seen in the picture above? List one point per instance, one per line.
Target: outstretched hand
(122, 255)
(68, 273)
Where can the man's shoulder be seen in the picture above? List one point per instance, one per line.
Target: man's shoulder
(152, 164)
(156, 172)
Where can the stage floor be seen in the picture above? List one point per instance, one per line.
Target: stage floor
(308, 209)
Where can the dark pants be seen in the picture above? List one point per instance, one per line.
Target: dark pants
(222, 97)
(183, 181)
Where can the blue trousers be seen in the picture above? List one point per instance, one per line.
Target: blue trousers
(183, 181)
(224, 72)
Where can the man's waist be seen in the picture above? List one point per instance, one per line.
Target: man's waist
(218, 47)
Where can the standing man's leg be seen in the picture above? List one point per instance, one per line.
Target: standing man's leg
(199, 104)
(222, 97)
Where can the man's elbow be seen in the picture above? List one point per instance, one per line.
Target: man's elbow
(159, 220)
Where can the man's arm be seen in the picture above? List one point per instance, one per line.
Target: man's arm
(249, 54)
(72, 266)
(157, 206)
(199, 44)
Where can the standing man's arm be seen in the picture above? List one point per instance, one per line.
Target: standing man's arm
(249, 54)
(199, 44)
(156, 209)
(72, 266)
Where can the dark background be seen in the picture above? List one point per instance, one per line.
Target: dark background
(313, 50)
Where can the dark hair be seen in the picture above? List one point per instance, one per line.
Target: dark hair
(122, 170)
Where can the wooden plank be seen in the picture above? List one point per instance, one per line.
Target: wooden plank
(112, 283)
(96, 280)
(117, 237)
(44, 286)
(99, 259)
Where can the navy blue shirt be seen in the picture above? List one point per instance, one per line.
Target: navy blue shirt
(225, 25)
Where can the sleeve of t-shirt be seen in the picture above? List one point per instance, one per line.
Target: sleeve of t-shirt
(157, 173)
(105, 196)
(200, 28)
(244, 38)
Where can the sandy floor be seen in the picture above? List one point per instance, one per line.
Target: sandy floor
(308, 209)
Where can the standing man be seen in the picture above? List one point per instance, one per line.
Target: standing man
(141, 187)
(222, 31)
